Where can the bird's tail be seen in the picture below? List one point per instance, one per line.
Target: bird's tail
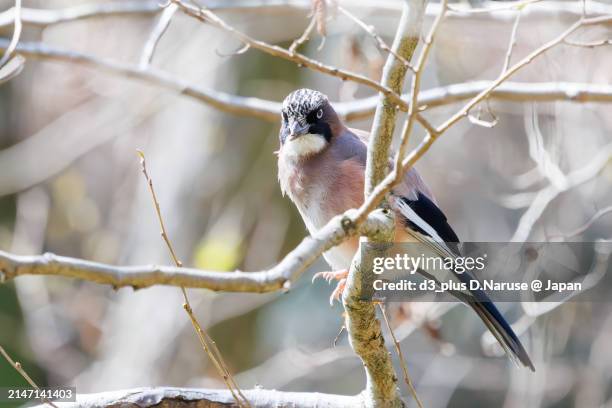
(502, 331)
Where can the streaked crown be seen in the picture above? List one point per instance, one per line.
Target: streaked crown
(298, 104)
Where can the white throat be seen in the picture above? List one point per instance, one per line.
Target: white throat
(303, 146)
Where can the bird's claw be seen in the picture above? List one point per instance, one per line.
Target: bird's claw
(337, 292)
(330, 276)
(340, 276)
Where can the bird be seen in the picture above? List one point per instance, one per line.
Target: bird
(321, 168)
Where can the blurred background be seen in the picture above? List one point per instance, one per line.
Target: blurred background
(70, 183)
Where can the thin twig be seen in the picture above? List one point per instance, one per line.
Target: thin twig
(355, 110)
(207, 16)
(156, 34)
(12, 68)
(48, 17)
(394, 72)
(207, 343)
(298, 42)
(599, 214)
(16, 34)
(17, 366)
(396, 175)
(401, 357)
(319, 13)
(239, 51)
(511, 44)
(546, 195)
(163, 232)
(415, 89)
(509, 6)
(379, 41)
(362, 324)
(525, 61)
(591, 44)
(279, 277)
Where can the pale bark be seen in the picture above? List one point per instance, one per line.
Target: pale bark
(170, 397)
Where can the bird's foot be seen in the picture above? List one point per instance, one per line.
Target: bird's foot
(340, 276)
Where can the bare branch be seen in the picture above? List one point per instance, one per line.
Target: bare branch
(12, 68)
(239, 51)
(362, 325)
(207, 343)
(372, 32)
(17, 366)
(43, 18)
(415, 90)
(512, 42)
(291, 266)
(510, 6)
(405, 43)
(160, 219)
(490, 10)
(207, 16)
(281, 276)
(355, 110)
(259, 108)
(8, 52)
(477, 120)
(401, 358)
(525, 61)
(545, 196)
(156, 34)
(171, 397)
(591, 44)
(319, 13)
(304, 37)
(515, 92)
(599, 214)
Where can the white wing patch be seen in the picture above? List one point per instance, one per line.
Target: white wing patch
(433, 242)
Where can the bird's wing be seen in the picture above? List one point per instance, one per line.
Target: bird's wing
(425, 222)
(363, 135)
(412, 183)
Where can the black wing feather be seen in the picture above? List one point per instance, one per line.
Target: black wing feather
(432, 215)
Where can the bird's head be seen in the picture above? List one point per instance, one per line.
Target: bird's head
(308, 123)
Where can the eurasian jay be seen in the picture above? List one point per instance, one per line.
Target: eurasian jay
(321, 165)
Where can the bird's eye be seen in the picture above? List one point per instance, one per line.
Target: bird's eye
(285, 117)
(319, 113)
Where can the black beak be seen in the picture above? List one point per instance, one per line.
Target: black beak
(296, 130)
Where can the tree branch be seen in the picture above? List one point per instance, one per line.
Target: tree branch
(405, 43)
(205, 15)
(160, 27)
(170, 397)
(289, 269)
(546, 195)
(259, 108)
(17, 366)
(208, 344)
(8, 52)
(393, 178)
(490, 10)
(360, 109)
(362, 325)
(516, 67)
